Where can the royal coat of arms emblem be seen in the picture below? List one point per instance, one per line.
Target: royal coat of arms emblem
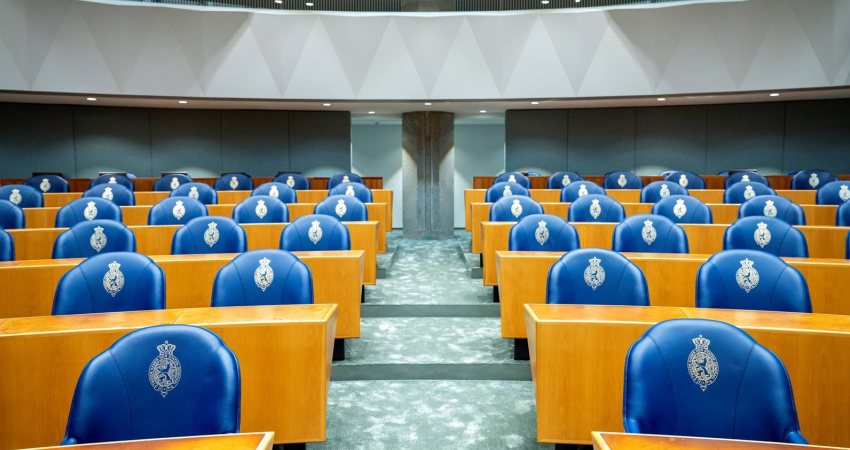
(113, 279)
(45, 185)
(769, 209)
(261, 209)
(814, 181)
(621, 180)
(594, 274)
(349, 190)
(290, 181)
(179, 210)
(516, 208)
(212, 234)
(749, 192)
(112, 180)
(582, 190)
(264, 275)
(507, 192)
(565, 181)
(165, 370)
(745, 178)
(234, 183)
(175, 183)
(315, 232)
(193, 193)
(541, 234)
(762, 235)
(512, 178)
(702, 364)
(683, 180)
(595, 209)
(340, 208)
(844, 193)
(345, 179)
(15, 196)
(107, 194)
(98, 239)
(680, 209)
(747, 276)
(648, 232)
(91, 211)
(664, 192)
(274, 192)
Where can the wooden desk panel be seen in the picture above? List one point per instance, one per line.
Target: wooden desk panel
(239, 441)
(578, 357)
(471, 196)
(671, 280)
(59, 199)
(131, 215)
(294, 342)
(630, 441)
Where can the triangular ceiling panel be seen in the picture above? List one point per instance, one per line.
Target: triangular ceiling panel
(841, 51)
(538, 71)
(392, 63)
(739, 30)
(458, 78)
(243, 69)
(11, 77)
(49, 16)
(501, 54)
(687, 71)
(318, 70)
(576, 38)
(614, 71)
(13, 34)
(187, 32)
(428, 41)
(356, 41)
(281, 40)
(817, 20)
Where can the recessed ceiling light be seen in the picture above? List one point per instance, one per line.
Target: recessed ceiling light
(483, 111)
(326, 104)
(91, 99)
(535, 103)
(278, 1)
(183, 102)
(662, 99)
(427, 103)
(545, 2)
(371, 112)
(774, 94)
(309, 3)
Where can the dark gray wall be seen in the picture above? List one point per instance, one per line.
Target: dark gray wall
(773, 137)
(83, 140)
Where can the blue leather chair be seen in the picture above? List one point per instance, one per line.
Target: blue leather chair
(513, 177)
(157, 382)
(346, 177)
(596, 208)
(261, 209)
(505, 189)
(22, 196)
(749, 279)
(263, 277)
(11, 217)
(358, 190)
(234, 182)
(343, 207)
(543, 233)
(89, 238)
(513, 208)
(659, 190)
(687, 180)
(773, 236)
(741, 192)
(111, 282)
(594, 276)
(277, 190)
(746, 177)
(834, 193)
(741, 387)
(113, 179)
(622, 180)
(48, 183)
(842, 215)
(649, 233)
(85, 209)
(811, 179)
(176, 211)
(210, 234)
(171, 182)
(199, 191)
(532, 173)
(294, 180)
(683, 209)
(773, 206)
(561, 180)
(115, 193)
(315, 232)
(575, 191)
(7, 246)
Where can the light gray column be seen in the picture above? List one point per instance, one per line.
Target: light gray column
(428, 172)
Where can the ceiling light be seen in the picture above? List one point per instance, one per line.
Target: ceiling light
(183, 102)
(371, 112)
(545, 2)
(326, 104)
(535, 103)
(278, 1)
(483, 111)
(427, 103)
(91, 99)
(309, 3)
(774, 94)
(662, 99)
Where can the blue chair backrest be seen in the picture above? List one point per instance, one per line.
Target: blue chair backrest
(157, 382)
(48, 183)
(741, 192)
(649, 233)
(687, 180)
(340, 178)
(343, 207)
(11, 216)
(596, 208)
(773, 236)
(811, 179)
(22, 196)
(358, 190)
(261, 209)
(279, 191)
(115, 193)
(176, 211)
(294, 180)
(741, 387)
(834, 193)
(577, 190)
(504, 189)
(171, 182)
(773, 206)
(93, 237)
(199, 191)
(7, 246)
(111, 282)
(513, 177)
(513, 208)
(746, 177)
(209, 234)
(683, 209)
(594, 276)
(622, 180)
(561, 180)
(749, 279)
(85, 209)
(113, 179)
(842, 215)
(543, 233)
(234, 182)
(263, 277)
(659, 190)
(315, 232)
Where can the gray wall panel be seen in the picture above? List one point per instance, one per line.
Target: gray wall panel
(745, 136)
(376, 151)
(670, 138)
(479, 150)
(186, 140)
(112, 139)
(319, 142)
(35, 138)
(601, 140)
(818, 133)
(256, 142)
(542, 136)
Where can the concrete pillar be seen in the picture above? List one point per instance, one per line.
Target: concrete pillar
(428, 165)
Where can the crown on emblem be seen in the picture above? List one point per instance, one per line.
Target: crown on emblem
(700, 342)
(179, 203)
(114, 266)
(516, 201)
(762, 226)
(265, 262)
(315, 223)
(746, 263)
(166, 349)
(680, 202)
(769, 202)
(340, 202)
(90, 204)
(261, 202)
(594, 261)
(98, 230)
(542, 224)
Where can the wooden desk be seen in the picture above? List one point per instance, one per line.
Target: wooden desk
(284, 357)
(671, 280)
(628, 441)
(578, 356)
(239, 441)
(28, 286)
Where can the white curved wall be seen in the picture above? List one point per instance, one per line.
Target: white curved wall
(90, 47)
